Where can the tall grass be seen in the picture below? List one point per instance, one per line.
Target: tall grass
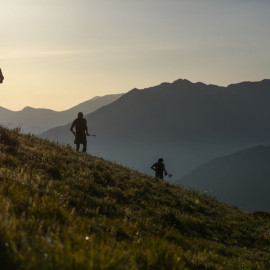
(60, 209)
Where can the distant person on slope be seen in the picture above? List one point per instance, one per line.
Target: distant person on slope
(1, 76)
(81, 128)
(159, 168)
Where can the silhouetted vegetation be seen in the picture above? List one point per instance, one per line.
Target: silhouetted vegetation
(60, 209)
(9, 140)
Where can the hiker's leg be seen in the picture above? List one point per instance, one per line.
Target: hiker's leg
(77, 147)
(84, 147)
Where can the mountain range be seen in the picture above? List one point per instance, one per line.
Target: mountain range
(186, 123)
(32, 120)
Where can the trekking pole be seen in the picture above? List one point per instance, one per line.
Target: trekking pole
(169, 175)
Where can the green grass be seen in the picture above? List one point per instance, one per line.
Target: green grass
(60, 209)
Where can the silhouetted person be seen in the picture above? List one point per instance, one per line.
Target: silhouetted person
(81, 128)
(1, 76)
(159, 168)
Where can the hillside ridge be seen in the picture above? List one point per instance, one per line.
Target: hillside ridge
(61, 209)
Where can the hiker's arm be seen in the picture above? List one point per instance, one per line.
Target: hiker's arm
(86, 129)
(153, 167)
(71, 128)
(166, 173)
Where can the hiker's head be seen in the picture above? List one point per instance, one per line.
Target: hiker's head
(1, 76)
(160, 159)
(80, 115)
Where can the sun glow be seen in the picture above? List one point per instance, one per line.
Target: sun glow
(56, 53)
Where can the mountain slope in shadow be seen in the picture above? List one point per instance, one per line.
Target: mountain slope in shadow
(242, 178)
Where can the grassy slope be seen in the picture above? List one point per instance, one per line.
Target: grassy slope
(65, 210)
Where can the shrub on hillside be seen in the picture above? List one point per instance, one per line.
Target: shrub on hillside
(54, 173)
(9, 140)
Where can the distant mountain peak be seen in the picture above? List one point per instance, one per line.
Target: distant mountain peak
(183, 82)
(247, 83)
(133, 91)
(27, 108)
(187, 83)
(96, 97)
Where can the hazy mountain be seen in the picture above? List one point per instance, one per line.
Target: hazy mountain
(185, 123)
(242, 178)
(39, 120)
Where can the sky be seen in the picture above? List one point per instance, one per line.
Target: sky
(58, 53)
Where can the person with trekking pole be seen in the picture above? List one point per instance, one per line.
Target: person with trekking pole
(159, 168)
(81, 131)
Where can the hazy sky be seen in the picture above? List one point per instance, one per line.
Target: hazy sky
(57, 53)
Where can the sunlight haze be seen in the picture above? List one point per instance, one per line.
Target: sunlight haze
(57, 53)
